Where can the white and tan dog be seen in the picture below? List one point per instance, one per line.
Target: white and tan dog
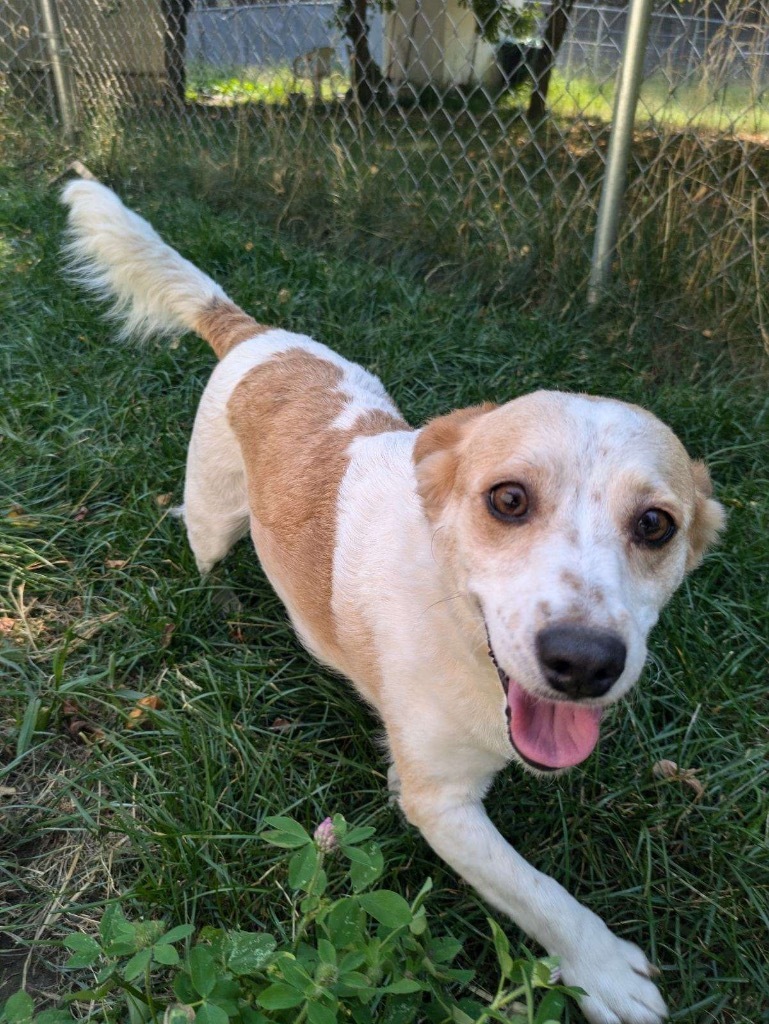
(531, 544)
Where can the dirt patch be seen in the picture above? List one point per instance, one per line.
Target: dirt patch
(23, 967)
(58, 867)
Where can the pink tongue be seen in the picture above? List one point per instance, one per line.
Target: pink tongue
(554, 734)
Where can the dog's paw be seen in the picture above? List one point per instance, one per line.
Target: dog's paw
(617, 979)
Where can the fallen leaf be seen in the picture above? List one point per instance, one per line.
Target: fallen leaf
(168, 632)
(81, 513)
(163, 499)
(669, 770)
(79, 728)
(6, 624)
(19, 517)
(138, 713)
(115, 563)
(281, 724)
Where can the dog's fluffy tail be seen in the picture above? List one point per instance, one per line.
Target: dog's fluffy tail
(117, 255)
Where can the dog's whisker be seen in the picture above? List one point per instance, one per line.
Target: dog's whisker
(445, 600)
(432, 542)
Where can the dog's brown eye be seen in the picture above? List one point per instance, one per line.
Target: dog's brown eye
(655, 527)
(508, 502)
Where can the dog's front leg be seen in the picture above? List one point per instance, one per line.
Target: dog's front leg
(614, 973)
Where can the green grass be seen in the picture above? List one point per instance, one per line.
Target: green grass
(256, 85)
(101, 603)
(693, 102)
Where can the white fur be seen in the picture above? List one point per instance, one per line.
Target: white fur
(408, 594)
(444, 710)
(118, 255)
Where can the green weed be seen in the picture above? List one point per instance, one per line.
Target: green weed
(357, 952)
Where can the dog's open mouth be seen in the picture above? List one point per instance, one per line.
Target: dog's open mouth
(548, 734)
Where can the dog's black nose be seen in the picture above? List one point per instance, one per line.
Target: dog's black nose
(579, 661)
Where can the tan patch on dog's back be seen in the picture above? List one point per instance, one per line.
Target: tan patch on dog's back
(224, 325)
(282, 413)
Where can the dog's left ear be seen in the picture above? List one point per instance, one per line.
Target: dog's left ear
(709, 517)
(436, 455)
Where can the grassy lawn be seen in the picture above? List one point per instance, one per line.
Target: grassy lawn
(693, 102)
(100, 606)
(735, 106)
(256, 84)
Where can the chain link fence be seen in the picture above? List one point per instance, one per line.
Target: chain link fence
(488, 124)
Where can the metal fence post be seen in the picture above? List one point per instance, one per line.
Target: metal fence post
(62, 77)
(634, 49)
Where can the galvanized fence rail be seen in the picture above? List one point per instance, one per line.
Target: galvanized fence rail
(451, 116)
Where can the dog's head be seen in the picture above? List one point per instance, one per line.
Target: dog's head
(568, 521)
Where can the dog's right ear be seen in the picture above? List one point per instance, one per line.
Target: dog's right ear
(709, 516)
(436, 455)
